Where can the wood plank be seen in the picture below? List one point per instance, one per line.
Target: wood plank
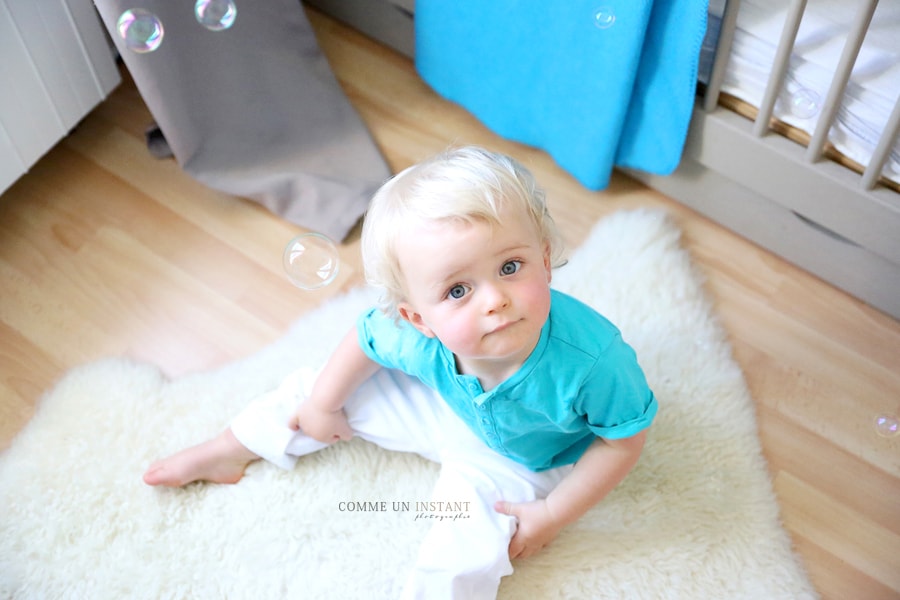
(835, 472)
(835, 579)
(24, 369)
(846, 534)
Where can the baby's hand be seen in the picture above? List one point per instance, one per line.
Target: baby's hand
(536, 527)
(323, 425)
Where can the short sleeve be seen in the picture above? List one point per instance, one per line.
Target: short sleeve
(398, 345)
(615, 398)
(378, 337)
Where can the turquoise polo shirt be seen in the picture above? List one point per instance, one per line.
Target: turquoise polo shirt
(582, 381)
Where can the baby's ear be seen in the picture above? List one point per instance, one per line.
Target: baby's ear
(548, 265)
(414, 319)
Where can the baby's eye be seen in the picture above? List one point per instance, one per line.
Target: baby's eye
(510, 267)
(457, 291)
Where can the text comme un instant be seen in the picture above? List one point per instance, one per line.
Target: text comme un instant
(395, 506)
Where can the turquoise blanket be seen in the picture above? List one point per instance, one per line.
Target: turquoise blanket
(596, 84)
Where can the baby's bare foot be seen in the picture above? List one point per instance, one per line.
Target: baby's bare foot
(220, 460)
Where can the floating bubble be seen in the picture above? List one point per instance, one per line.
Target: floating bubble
(805, 103)
(887, 425)
(141, 30)
(604, 17)
(215, 15)
(311, 261)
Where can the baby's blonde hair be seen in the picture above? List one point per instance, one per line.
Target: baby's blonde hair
(470, 184)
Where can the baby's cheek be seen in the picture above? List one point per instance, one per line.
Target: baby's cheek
(457, 335)
(534, 298)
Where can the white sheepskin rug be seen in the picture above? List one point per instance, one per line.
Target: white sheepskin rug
(696, 519)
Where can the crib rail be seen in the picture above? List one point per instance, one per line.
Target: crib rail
(762, 123)
(723, 54)
(746, 168)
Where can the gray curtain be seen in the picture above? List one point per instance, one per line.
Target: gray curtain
(255, 111)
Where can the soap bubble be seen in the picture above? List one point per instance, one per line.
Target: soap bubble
(215, 15)
(805, 103)
(887, 425)
(140, 29)
(311, 261)
(604, 17)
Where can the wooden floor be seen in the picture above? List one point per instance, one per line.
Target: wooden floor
(107, 251)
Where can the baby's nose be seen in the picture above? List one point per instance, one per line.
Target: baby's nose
(496, 299)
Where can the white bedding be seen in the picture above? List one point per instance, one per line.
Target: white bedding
(874, 85)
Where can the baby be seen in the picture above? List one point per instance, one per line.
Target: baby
(530, 400)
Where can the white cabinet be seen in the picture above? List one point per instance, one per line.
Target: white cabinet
(55, 66)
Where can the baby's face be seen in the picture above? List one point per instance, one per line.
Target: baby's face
(483, 291)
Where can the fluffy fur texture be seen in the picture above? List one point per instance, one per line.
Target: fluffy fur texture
(697, 518)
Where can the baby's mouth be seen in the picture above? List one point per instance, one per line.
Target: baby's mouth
(503, 326)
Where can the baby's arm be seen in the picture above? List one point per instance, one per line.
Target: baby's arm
(322, 415)
(601, 468)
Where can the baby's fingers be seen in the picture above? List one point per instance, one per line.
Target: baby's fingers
(345, 432)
